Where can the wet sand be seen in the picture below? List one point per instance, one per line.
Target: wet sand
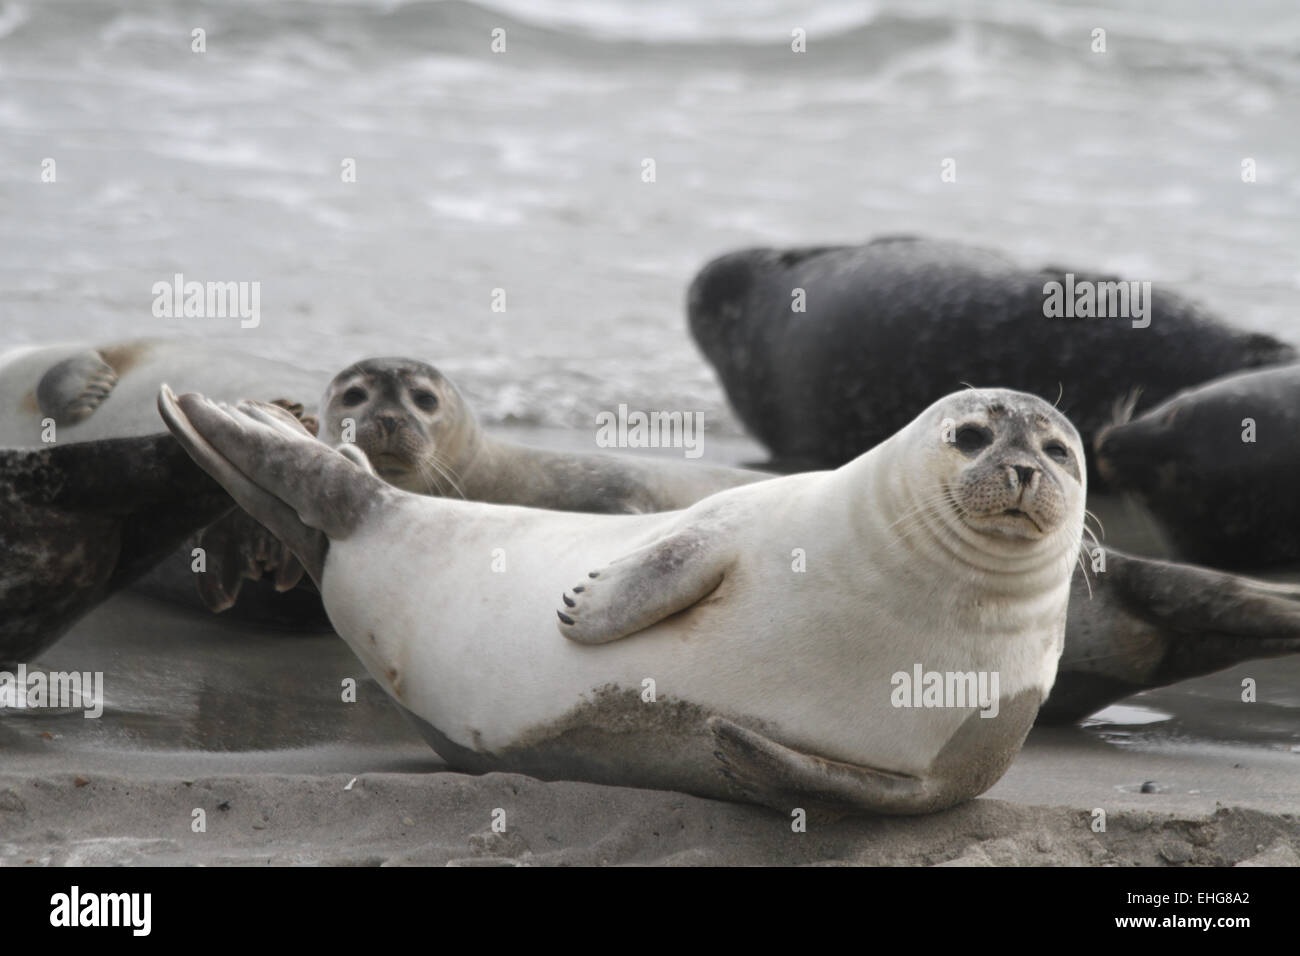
(250, 727)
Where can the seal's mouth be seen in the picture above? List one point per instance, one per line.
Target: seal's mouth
(1017, 513)
(387, 463)
(1008, 523)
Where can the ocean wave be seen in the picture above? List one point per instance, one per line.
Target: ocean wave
(754, 34)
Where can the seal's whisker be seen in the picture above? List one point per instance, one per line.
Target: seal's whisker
(1084, 568)
(1090, 536)
(920, 506)
(445, 467)
(433, 462)
(432, 478)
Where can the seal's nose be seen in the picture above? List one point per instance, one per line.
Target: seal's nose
(1025, 474)
(387, 424)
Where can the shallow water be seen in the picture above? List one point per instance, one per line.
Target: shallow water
(522, 170)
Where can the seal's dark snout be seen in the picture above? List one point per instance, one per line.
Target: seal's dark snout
(1024, 473)
(387, 424)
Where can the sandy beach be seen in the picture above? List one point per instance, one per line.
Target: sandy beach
(249, 726)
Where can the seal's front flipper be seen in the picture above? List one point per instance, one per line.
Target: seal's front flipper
(298, 411)
(239, 548)
(70, 391)
(645, 587)
(776, 776)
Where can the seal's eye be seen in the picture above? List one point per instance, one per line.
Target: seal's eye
(425, 399)
(354, 396)
(1056, 451)
(971, 438)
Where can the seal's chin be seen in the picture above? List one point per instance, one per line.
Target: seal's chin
(1009, 523)
(389, 466)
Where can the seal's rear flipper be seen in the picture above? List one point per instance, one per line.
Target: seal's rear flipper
(301, 489)
(70, 391)
(645, 587)
(779, 777)
(1195, 599)
(1152, 623)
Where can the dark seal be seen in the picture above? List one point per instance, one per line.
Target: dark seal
(1217, 466)
(893, 325)
(83, 520)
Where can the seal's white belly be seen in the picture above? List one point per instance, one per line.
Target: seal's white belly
(477, 653)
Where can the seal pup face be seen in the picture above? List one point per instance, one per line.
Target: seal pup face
(1003, 470)
(410, 421)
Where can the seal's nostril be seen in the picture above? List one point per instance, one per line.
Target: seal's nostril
(1024, 473)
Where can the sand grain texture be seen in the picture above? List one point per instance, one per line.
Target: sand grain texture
(438, 819)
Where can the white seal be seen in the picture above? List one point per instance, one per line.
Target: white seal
(110, 390)
(748, 647)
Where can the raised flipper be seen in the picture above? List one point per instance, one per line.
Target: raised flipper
(70, 391)
(302, 490)
(646, 586)
(776, 776)
(298, 411)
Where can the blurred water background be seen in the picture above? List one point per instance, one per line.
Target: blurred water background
(522, 170)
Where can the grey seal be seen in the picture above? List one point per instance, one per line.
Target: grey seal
(421, 435)
(1217, 466)
(83, 520)
(890, 326)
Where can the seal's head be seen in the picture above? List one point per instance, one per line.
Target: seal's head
(1003, 470)
(411, 422)
(1216, 465)
(1164, 451)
